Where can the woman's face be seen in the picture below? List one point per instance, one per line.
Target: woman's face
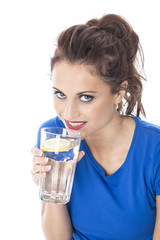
(81, 100)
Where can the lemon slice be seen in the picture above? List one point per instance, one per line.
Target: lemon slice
(54, 145)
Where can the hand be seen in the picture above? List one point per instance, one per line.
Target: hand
(41, 164)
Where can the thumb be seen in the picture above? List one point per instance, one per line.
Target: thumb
(80, 155)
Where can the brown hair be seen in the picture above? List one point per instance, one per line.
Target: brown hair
(110, 47)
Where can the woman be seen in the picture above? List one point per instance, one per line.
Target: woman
(97, 90)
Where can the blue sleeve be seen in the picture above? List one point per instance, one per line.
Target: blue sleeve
(157, 171)
(54, 122)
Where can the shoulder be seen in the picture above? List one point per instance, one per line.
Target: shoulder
(147, 137)
(148, 148)
(148, 130)
(149, 134)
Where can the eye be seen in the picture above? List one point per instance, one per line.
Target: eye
(59, 95)
(86, 98)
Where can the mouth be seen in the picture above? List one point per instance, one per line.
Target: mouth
(76, 125)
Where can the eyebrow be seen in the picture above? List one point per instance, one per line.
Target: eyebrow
(80, 93)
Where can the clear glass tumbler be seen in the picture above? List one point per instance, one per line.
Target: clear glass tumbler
(61, 145)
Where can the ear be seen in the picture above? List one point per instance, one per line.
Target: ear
(120, 95)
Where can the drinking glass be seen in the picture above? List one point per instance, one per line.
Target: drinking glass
(61, 146)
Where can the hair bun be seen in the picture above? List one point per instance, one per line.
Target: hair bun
(119, 28)
(112, 24)
(116, 26)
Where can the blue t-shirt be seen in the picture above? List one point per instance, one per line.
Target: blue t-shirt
(121, 206)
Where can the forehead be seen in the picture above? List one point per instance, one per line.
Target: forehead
(78, 76)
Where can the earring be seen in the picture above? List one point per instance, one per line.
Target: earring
(116, 107)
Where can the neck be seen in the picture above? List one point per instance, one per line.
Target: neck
(112, 136)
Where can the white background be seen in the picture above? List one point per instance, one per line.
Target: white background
(28, 30)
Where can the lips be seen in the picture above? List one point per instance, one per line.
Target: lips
(75, 125)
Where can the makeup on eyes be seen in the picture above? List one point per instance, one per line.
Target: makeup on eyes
(84, 96)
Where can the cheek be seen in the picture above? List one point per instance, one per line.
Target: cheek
(57, 106)
(103, 109)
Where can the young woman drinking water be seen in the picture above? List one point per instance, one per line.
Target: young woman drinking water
(97, 90)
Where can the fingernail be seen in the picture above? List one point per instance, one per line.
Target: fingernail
(41, 154)
(48, 167)
(46, 160)
(83, 153)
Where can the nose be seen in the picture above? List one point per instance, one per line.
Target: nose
(70, 111)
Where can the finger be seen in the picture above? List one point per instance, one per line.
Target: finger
(41, 168)
(37, 152)
(37, 176)
(41, 160)
(80, 155)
